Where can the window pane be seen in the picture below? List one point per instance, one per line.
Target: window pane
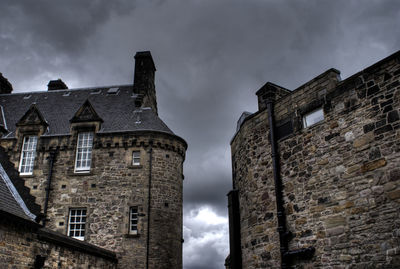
(77, 223)
(84, 151)
(133, 220)
(313, 117)
(28, 154)
(136, 157)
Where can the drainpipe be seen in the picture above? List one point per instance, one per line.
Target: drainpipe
(234, 230)
(51, 158)
(149, 206)
(285, 236)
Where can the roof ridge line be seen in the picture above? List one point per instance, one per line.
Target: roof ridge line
(3, 117)
(65, 90)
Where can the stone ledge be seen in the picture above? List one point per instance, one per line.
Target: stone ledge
(89, 173)
(135, 166)
(132, 235)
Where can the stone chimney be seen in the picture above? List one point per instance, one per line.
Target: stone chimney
(56, 85)
(5, 85)
(270, 91)
(143, 84)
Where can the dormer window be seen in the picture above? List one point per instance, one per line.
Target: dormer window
(28, 155)
(313, 117)
(84, 152)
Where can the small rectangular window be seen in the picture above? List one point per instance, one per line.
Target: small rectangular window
(136, 158)
(84, 151)
(77, 223)
(28, 155)
(313, 117)
(133, 220)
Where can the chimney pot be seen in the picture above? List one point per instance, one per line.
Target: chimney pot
(5, 85)
(56, 85)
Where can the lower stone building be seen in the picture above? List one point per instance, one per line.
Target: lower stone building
(316, 174)
(24, 243)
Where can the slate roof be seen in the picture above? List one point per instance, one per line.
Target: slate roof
(58, 107)
(14, 196)
(18, 182)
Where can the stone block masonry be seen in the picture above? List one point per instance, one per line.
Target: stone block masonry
(341, 176)
(25, 245)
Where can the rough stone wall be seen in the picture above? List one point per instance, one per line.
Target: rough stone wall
(19, 246)
(166, 220)
(111, 188)
(253, 178)
(341, 177)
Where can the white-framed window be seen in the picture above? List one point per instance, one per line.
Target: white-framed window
(77, 223)
(84, 151)
(133, 220)
(136, 158)
(28, 154)
(313, 117)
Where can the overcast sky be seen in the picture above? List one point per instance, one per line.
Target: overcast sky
(211, 58)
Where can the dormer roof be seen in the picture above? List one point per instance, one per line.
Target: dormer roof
(86, 113)
(32, 117)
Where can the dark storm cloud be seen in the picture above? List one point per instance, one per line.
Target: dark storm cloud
(211, 57)
(41, 39)
(208, 186)
(65, 26)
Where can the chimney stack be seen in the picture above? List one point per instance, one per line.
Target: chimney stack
(5, 85)
(56, 85)
(143, 83)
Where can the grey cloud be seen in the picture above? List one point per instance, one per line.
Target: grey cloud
(206, 239)
(65, 26)
(206, 257)
(210, 188)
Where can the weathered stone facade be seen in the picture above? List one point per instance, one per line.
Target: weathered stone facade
(22, 245)
(340, 176)
(114, 183)
(111, 188)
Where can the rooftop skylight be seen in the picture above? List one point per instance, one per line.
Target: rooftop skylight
(113, 90)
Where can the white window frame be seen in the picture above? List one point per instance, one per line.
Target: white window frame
(77, 223)
(313, 117)
(28, 154)
(136, 157)
(133, 220)
(84, 145)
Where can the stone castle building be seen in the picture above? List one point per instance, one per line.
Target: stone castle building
(316, 174)
(102, 165)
